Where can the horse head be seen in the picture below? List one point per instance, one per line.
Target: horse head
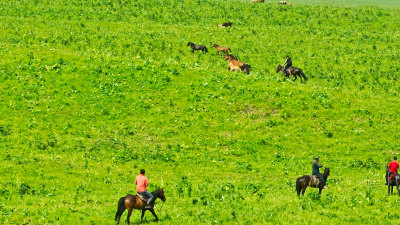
(279, 68)
(214, 45)
(189, 44)
(327, 171)
(229, 57)
(161, 195)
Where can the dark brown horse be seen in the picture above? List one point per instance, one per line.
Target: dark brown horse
(131, 202)
(311, 181)
(393, 181)
(292, 71)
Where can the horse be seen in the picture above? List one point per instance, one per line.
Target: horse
(292, 71)
(235, 64)
(228, 24)
(260, 1)
(393, 180)
(197, 47)
(311, 180)
(282, 2)
(221, 49)
(131, 202)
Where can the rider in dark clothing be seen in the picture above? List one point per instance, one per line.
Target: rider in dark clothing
(315, 170)
(288, 62)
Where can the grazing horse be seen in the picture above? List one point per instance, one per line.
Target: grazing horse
(131, 202)
(197, 47)
(311, 180)
(393, 180)
(282, 2)
(260, 1)
(228, 24)
(292, 71)
(221, 49)
(235, 64)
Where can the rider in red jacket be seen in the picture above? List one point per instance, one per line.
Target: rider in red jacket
(393, 167)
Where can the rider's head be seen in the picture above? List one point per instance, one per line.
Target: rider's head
(395, 158)
(142, 171)
(287, 56)
(316, 158)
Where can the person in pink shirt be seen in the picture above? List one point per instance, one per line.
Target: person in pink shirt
(142, 182)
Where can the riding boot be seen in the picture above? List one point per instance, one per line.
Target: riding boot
(148, 206)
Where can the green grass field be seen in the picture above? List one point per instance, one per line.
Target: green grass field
(381, 3)
(93, 91)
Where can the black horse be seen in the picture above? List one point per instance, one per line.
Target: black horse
(393, 180)
(197, 47)
(131, 202)
(310, 180)
(292, 71)
(228, 24)
(246, 68)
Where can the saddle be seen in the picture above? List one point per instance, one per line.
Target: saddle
(314, 181)
(144, 199)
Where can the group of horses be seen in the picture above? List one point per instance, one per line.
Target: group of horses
(131, 202)
(237, 65)
(233, 65)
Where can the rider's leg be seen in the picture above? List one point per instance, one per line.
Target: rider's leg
(150, 196)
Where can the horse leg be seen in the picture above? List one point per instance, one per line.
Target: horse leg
(388, 188)
(392, 189)
(154, 213)
(302, 191)
(143, 211)
(129, 215)
(398, 189)
(295, 77)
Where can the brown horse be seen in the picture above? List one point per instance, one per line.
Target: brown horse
(292, 71)
(310, 180)
(393, 181)
(221, 49)
(235, 64)
(131, 202)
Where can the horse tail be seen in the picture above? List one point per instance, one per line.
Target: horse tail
(303, 75)
(121, 208)
(298, 187)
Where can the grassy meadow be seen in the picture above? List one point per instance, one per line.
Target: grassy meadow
(93, 91)
(348, 3)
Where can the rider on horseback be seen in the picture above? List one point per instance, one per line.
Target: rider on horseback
(393, 166)
(288, 63)
(142, 182)
(315, 169)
